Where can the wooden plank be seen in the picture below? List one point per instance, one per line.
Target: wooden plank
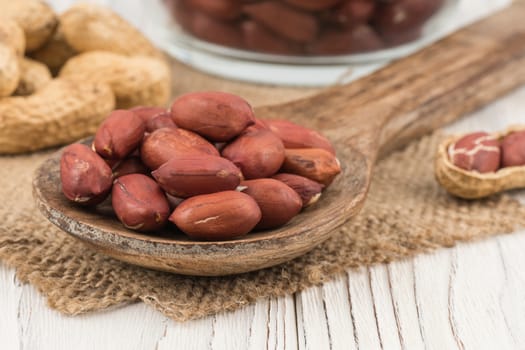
(312, 320)
(431, 275)
(10, 293)
(364, 315)
(380, 290)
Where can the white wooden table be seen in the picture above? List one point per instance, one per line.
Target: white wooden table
(468, 297)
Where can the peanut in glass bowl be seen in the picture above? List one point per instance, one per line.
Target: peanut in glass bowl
(303, 31)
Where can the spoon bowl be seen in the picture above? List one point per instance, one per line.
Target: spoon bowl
(364, 120)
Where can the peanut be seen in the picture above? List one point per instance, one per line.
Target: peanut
(139, 203)
(55, 52)
(404, 15)
(220, 9)
(34, 76)
(278, 202)
(316, 164)
(312, 5)
(163, 144)
(477, 151)
(12, 35)
(297, 136)
(309, 191)
(119, 134)
(131, 165)
(257, 38)
(208, 194)
(299, 26)
(214, 30)
(483, 154)
(9, 71)
(352, 12)
(160, 121)
(513, 149)
(218, 116)
(148, 112)
(258, 153)
(86, 179)
(63, 111)
(217, 216)
(361, 38)
(134, 80)
(187, 176)
(91, 27)
(35, 17)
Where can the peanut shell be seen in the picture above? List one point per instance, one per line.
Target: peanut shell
(35, 17)
(64, 111)
(92, 27)
(472, 184)
(33, 77)
(9, 70)
(12, 35)
(135, 80)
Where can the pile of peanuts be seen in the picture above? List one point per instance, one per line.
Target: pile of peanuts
(487, 153)
(206, 164)
(305, 27)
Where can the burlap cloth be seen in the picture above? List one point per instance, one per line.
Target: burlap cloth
(406, 213)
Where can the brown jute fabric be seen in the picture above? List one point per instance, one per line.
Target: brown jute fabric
(406, 213)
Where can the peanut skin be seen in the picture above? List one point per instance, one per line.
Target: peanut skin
(309, 191)
(148, 112)
(297, 136)
(119, 134)
(477, 151)
(217, 116)
(312, 5)
(187, 176)
(513, 149)
(217, 216)
(298, 26)
(279, 203)
(131, 165)
(258, 153)
(220, 9)
(313, 163)
(163, 144)
(139, 203)
(86, 179)
(160, 121)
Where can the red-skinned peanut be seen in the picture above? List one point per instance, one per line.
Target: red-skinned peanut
(119, 134)
(85, 177)
(139, 203)
(477, 151)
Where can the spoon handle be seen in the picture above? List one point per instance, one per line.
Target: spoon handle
(419, 93)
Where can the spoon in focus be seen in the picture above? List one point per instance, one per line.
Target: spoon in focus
(364, 120)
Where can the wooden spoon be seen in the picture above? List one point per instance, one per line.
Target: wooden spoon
(378, 113)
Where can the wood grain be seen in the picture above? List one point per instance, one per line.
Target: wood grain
(467, 297)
